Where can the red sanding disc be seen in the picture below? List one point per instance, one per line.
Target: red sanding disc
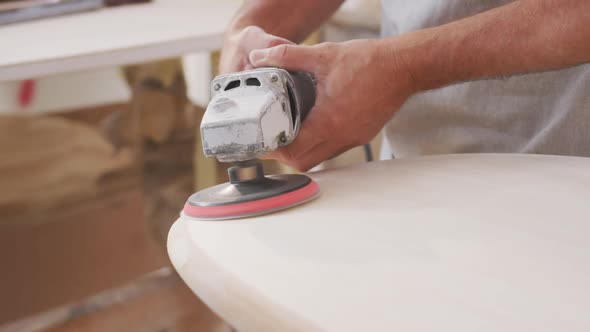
(255, 207)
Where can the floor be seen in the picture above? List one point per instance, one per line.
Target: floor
(170, 310)
(159, 302)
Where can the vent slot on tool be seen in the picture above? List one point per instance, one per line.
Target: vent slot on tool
(232, 85)
(253, 81)
(292, 104)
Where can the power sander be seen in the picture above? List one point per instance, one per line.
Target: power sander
(251, 113)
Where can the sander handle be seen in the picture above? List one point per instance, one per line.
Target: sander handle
(303, 92)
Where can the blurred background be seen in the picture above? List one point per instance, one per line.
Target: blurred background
(100, 104)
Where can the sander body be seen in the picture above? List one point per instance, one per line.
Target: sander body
(250, 114)
(254, 112)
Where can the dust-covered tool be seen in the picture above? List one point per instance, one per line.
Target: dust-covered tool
(251, 113)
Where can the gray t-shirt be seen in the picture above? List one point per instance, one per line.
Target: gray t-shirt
(547, 113)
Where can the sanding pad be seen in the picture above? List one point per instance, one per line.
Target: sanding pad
(251, 198)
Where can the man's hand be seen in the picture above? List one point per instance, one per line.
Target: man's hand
(237, 48)
(358, 90)
(258, 22)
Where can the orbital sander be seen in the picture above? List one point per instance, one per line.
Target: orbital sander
(250, 114)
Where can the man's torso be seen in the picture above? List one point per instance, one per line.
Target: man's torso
(545, 113)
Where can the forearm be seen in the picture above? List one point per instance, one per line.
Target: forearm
(520, 37)
(284, 18)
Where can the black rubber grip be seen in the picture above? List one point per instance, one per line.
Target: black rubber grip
(305, 92)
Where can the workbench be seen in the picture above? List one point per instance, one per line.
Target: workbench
(479, 242)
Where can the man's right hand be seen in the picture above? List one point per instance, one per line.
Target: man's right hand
(238, 45)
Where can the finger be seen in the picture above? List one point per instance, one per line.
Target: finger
(320, 153)
(291, 152)
(290, 57)
(273, 41)
(306, 151)
(256, 43)
(271, 155)
(256, 38)
(308, 137)
(294, 151)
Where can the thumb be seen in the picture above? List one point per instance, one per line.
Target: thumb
(290, 57)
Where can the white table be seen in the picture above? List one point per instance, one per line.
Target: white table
(112, 37)
(450, 243)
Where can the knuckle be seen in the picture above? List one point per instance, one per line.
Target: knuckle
(336, 120)
(324, 56)
(300, 167)
(251, 29)
(282, 51)
(247, 34)
(272, 41)
(334, 50)
(327, 45)
(298, 164)
(295, 161)
(285, 155)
